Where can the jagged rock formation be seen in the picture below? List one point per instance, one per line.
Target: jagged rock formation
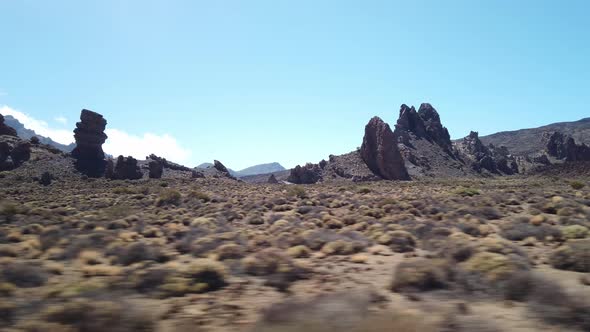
(5, 129)
(481, 157)
(308, 174)
(564, 147)
(220, 167)
(90, 137)
(13, 153)
(380, 152)
(125, 168)
(272, 179)
(168, 164)
(424, 124)
(156, 169)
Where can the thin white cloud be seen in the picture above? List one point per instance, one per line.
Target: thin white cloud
(118, 143)
(40, 127)
(62, 120)
(122, 143)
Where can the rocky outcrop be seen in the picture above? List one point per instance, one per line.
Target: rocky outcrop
(5, 129)
(125, 168)
(380, 151)
(308, 174)
(505, 162)
(564, 147)
(13, 153)
(425, 123)
(220, 167)
(272, 179)
(156, 169)
(168, 164)
(472, 150)
(90, 137)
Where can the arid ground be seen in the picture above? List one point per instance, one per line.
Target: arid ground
(504, 254)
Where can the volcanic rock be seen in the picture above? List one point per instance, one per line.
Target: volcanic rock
(564, 147)
(21, 153)
(168, 164)
(422, 124)
(472, 150)
(125, 168)
(90, 136)
(220, 167)
(272, 179)
(156, 169)
(6, 130)
(308, 174)
(380, 152)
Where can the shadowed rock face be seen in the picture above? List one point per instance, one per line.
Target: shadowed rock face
(425, 123)
(272, 179)
(308, 174)
(90, 137)
(123, 169)
(6, 130)
(156, 169)
(14, 153)
(380, 152)
(564, 147)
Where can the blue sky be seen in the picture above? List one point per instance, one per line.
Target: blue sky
(248, 82)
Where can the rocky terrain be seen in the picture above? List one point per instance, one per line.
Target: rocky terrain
(528, 141)
(261, 169)
(457, 239)
(27, 134)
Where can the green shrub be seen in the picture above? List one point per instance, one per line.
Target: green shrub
(296, 191)
(169, 197)
(466, 192)
(577, 185)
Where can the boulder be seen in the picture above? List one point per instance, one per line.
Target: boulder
(125, 168)
(5, 129)
(13, 153)
(90, 137)
(380, 152)
(308, 174)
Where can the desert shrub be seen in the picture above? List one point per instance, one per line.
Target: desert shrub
(574, 232)
(296, 191)
(169, 197)
(7, 312)
(573, 256)
(229, 251)
(421, 275)
(364, 190)
(138, 252)
(123, 190)
(149, 279)
(519, 230)
(199, 195)
(493, 267)
(398, 241)
(577, 185)
(24, 275)
(9, 210)
(117, 211)
(279, 270)
(90, 315)
(552, 304)
(466, 192)
(203, 275)
(208, 272)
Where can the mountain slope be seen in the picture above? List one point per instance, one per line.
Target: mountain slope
(527, 141)
(252, 170)
(25, 133)
(261, 169)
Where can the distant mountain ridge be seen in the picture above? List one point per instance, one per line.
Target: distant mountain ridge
(25, 133)
(252, 170)
(526, 141)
